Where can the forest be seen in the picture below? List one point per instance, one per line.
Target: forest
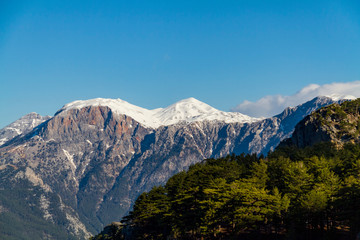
(308, 193)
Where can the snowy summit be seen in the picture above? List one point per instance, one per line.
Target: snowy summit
(187, 110)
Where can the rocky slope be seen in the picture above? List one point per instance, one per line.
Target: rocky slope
(90, 161)
(337, 123)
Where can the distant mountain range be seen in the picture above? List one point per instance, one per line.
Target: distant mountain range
(85, 166)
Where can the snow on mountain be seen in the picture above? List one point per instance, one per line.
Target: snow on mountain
(118, 106)
(23, 125)
(104, 166)
(193, 110)
(271, 105)
(187, 110)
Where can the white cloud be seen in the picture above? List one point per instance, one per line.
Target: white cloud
(274, 104)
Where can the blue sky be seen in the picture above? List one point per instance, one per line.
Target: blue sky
(154, 53)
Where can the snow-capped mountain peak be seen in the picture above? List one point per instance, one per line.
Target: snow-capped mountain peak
(118, 106)
(192, 110)
(23, 125)
(184, 110)
(187, 110)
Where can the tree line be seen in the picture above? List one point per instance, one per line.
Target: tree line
(310, 193)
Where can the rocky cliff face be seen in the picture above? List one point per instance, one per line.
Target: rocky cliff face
(337, 123)
(77, 155)
(93, 162)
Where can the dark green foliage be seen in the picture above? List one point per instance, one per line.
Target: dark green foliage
(310, 193)
(148, 219)
(213, 199)
(111, 232)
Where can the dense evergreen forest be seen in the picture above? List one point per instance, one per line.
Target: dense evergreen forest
(309, 193)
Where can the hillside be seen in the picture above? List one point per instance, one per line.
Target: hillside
(309, 193)
(337, 123)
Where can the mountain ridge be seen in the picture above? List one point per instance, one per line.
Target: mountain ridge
(93, 158)
(186, 110)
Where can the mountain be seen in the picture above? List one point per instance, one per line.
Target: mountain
(312, 189)
(21, 126)
(337, 123)
(185, 111)
(89, 162)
